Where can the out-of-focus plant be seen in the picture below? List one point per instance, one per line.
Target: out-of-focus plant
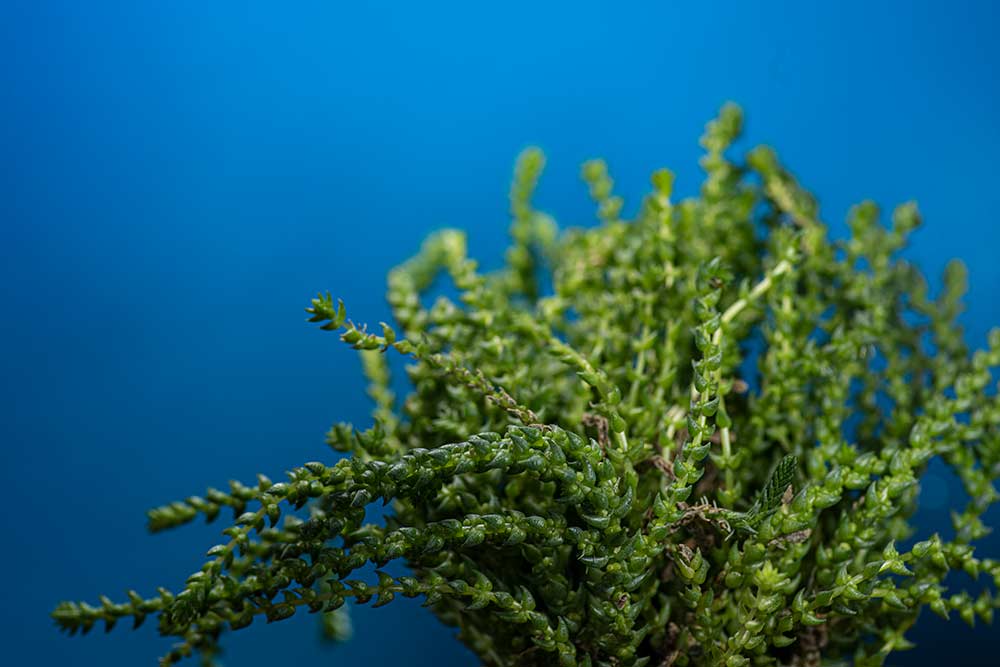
(691, 438)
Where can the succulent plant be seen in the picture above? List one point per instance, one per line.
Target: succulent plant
(691, 438)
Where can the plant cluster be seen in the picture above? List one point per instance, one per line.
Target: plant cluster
(690, 438)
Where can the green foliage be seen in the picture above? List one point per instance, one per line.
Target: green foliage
(600, 472)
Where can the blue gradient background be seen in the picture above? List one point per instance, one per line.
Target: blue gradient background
(179, 178)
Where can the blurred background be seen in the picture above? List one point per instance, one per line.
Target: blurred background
(177, 179)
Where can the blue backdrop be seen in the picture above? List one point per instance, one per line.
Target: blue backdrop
(179, 178)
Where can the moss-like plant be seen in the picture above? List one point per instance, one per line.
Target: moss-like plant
(691, 438)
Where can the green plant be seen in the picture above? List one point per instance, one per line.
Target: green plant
(605, 472)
